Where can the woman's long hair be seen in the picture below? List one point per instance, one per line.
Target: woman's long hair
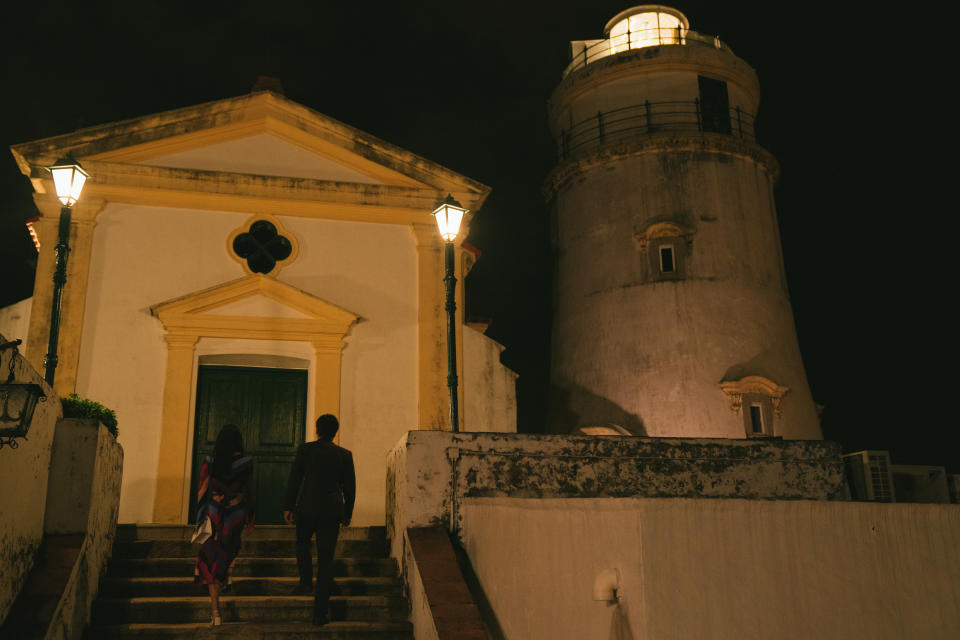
(229, 440)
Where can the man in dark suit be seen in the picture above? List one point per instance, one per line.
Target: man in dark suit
(323, 476)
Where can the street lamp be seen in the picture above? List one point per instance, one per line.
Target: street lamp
(68, 178)
(449, 214)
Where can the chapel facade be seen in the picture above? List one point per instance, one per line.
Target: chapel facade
(252, 261)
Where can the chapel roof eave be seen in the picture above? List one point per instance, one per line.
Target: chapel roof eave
(135, 139)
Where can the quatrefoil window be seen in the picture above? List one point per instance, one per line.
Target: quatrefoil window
(262, 247)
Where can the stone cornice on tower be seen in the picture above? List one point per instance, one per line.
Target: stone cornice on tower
(717, 63)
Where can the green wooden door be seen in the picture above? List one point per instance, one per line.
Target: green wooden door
(269, 406)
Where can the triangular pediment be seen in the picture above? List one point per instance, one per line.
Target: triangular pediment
(251, 301)
(257, 306)
(259, 152)
(267, 154)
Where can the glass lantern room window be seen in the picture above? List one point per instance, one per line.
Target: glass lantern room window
(646, 28)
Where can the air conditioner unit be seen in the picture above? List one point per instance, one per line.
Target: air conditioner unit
(953, 485)
(869, 477)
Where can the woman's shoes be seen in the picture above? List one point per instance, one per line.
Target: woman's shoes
(228, 587)
(215, 622)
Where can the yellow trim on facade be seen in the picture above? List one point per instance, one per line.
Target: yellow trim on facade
(143, 153)
(186, 321)
(83, 221)
(433, 394)
(662, 230)
(736, 389)
(266, 195)
(139, 139)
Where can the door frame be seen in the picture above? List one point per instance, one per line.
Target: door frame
(255, 354)
(321, 325)
(301, 428)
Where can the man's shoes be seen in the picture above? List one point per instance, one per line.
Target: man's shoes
(319, 619)
(302, 590)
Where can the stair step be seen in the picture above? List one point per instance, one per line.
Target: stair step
(345, 630)
(149, 590)
(132, 532)
(242, 586)
(244, 566)
(263, 548)
(245, 609)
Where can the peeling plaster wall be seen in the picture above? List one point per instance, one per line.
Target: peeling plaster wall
(95, 470)
(649, 354)
(718, 569)
(489, 387)
(431, 473)
(23, 475)
(85, 464)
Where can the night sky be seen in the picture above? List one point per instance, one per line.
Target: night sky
(854, 106)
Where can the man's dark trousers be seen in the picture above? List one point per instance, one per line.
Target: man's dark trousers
(324, 478)
(326, 531)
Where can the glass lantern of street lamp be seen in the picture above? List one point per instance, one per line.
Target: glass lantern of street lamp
(449, 215)
(68, 178)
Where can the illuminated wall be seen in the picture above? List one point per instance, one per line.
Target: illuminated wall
(657, 157)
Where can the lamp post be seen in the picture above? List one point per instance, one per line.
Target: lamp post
(449, 214)
(68, 178)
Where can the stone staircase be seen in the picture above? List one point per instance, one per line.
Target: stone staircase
(149, 592)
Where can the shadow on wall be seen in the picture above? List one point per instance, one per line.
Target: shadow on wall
(620, 624)
(762, 364)
(572, 407)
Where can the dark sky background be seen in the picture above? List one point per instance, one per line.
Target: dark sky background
(854, 105)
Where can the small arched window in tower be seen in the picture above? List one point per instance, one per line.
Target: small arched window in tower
(667, 246)
(757, 400)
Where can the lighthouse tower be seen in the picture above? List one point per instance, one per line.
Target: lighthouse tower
(671, 311)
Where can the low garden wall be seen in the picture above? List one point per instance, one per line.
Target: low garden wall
(23, 479)
(435, 477)
(85, 476)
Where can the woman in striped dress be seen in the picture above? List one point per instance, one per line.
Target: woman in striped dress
(225, 493)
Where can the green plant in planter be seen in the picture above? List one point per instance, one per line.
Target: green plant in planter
(76, 407)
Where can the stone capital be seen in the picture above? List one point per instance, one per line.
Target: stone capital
(86, 210)
(181, 341)
(428, 237)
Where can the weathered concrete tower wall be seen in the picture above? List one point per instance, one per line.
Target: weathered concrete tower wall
(671, 311)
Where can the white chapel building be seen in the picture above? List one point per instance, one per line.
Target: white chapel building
(252, 261)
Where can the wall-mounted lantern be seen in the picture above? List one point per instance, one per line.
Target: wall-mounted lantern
(17, 403)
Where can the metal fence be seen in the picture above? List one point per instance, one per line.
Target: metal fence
(652, 117)
(655, 37)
